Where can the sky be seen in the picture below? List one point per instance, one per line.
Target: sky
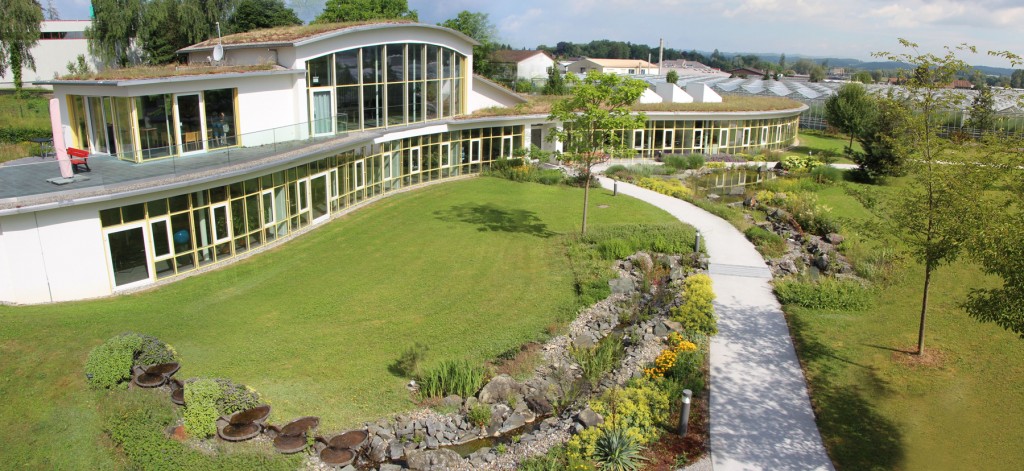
(817, 28)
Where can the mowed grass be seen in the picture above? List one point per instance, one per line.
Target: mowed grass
(878, 411)
(817, 142)
(470, 268)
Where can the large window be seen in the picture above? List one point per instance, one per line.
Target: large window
(171, 236)
(152, 127)
(389, 84)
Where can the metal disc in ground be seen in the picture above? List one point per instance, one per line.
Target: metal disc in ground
(337, 456)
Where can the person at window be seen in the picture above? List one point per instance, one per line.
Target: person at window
(218, 128)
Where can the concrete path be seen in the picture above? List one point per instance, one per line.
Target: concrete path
(761, 415)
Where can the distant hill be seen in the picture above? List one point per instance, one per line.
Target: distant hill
(856, 63)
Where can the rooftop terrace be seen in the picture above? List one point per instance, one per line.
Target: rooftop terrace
(541, 104)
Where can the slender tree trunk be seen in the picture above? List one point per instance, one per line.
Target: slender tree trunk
(851, 143)
(586, 202)
(924, 310)
(16, 68)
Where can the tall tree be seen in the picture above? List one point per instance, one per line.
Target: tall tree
(817, 74)
(19, 31)
(593, 118)
(169, 25)
(556, 81)
(782, 62)
(336, 11)
(850, 110)
(982, 112)
(944, 201)
(51, 11)
(882, 138)
(479, 27)
(114, 27)
(257, 14)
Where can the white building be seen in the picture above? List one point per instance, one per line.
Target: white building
(194, 168)
(527, 65)
(60, 42)
(613, 66)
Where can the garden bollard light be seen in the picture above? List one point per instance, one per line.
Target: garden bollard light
(696, 243)
(684, 415)
(615, 188)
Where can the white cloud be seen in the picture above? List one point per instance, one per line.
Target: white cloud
(516, 23)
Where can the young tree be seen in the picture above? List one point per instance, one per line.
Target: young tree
(782, 62)
(982, 112)
(258, 14)
(883, 155)
(336, 11)
(850, 110)
(594, 118)
(944, 202)
(817, 74)
(672, 76)
(556, 82)
(115, 25)
(19, 31)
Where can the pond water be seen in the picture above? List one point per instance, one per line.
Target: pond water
(733, 181)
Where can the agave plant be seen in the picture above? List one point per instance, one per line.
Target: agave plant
(617, 451)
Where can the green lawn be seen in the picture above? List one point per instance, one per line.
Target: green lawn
(472, 268)
(817, 142)
(877, 412)
(31, 111)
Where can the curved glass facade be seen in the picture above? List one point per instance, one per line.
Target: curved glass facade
(713, 136)
(384, 85)
(170, 236)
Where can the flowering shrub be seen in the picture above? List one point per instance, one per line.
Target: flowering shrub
(697, 313)
(673, 188)
(796, 163)
(667, 359)
(635, 410)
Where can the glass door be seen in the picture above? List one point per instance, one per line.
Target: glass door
(128, 255)
(474, 151)
(319, 200)
(189, 114)
(97, 125)
(323, 122)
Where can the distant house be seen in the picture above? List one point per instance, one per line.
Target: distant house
(529, 65)
(60, 42)
(613, 66)
(962, 85)
(685, 67)
(746, 72)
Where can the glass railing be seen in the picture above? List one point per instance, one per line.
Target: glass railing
(33, 174)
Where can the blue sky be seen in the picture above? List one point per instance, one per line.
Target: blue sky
(835, 28)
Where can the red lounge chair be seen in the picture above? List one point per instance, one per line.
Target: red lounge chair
(79, 157)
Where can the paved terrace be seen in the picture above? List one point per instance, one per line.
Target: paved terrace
(23, 183)
(761, 417)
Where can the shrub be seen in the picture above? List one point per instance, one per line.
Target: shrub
(637, 410)
(828, 293)
(408, 363)
(671, 187)
(677, 346)
(153, 351)
(617, 451)
(556, 459)
(614, 249)
(550, 177)
(208, 399)
(479, 415)
(826, 174)
(684, 161)
(201, 407)
(110, 363)
(11, 135)
(452, 377)
(767, 242)
(235, 397)
(136, 422)
(598, 360)
(697, 313)
(798, 163)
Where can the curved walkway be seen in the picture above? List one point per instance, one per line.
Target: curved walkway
(761, 415)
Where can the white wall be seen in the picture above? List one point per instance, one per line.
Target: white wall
(486, 95)
(650, 96)
(23, 252)
(671, 93)
(535, 67)
(53, 55)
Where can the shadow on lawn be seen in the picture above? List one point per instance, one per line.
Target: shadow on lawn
(856, 434)
(492, 218)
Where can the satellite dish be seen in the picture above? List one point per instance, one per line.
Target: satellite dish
(218, 53)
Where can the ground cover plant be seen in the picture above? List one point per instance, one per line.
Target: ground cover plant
(20, 120)
(312, 325)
